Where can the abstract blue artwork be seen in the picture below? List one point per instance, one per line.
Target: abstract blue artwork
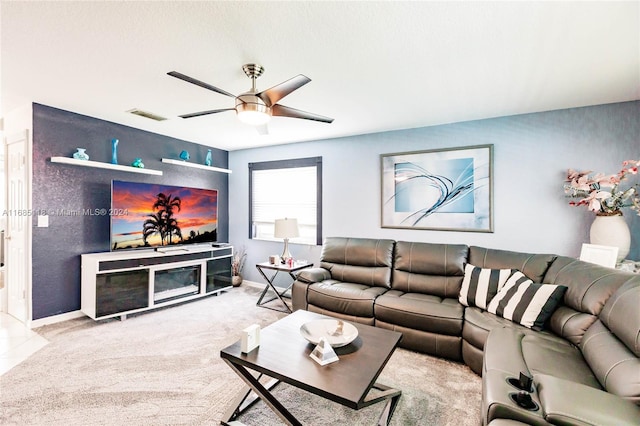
(448, 189)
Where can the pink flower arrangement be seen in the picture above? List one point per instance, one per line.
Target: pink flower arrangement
(600, 193)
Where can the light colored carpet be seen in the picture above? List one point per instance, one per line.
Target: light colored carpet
(163, 368)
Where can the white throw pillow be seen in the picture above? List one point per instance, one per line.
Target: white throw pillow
(480, 285)
(526, 303)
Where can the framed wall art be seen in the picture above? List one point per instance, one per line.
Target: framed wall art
(443, 189)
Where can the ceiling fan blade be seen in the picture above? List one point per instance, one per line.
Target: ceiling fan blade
(284, 111)
(211, 111)
(273, 95)
(191, 80)
(263, 130)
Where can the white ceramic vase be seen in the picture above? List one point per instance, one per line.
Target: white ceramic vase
(611, 230)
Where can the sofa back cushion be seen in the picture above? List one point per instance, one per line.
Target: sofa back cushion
(534, 266)
(611, 346)
(358, 260)
(621, 314)
(614, 365)
(589, 286)
(435, 269)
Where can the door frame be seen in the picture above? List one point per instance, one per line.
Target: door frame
(23, 136)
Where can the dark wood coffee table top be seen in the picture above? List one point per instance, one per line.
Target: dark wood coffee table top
(284, 354)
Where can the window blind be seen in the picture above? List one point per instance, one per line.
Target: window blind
(285, 192)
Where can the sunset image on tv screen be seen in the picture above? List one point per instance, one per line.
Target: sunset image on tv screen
(151, 215)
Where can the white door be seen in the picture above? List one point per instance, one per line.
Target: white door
(18, 227)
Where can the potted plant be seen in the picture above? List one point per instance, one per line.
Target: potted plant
(603, 195)
(237, 264)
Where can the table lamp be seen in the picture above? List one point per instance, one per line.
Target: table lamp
(286, 228)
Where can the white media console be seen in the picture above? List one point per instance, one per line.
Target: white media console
(121, 283)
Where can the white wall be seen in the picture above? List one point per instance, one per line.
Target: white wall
(531, 155)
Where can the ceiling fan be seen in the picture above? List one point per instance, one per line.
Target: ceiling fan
(257, 108)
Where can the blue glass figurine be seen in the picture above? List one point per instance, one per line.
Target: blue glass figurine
(114, 151)
(81, 154)
(207, 160)
(138, 163)
(184, 155)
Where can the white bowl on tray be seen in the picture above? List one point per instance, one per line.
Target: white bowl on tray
(337, 332)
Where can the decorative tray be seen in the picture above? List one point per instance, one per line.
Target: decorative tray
(338, 333)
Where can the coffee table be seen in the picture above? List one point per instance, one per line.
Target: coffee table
(283, 355)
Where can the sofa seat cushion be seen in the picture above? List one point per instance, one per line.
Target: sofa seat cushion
(344, 297)
(552, 355)
(478, 324)
(513, 351)
(351, 318)
(436, 344)
(420, 312)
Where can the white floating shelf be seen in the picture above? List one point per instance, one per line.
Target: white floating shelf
(100, 165)
(195, 165)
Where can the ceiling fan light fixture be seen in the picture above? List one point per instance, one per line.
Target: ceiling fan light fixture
(256, 107)
(253, 113)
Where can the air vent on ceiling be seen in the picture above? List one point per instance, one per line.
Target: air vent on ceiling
(146, 114)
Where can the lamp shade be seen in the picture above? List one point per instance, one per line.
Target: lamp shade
(286, 228)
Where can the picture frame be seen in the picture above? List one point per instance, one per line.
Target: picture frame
(600, 255)
(447, 189)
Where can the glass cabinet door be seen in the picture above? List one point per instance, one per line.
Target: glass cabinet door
(121, 291)
(218, 273)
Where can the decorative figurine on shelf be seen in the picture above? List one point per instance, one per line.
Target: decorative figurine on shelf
(207, 160)
(114, 151)
(138, 163)
(184, 155)
(81, 154)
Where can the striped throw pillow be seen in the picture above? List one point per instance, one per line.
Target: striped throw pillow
(528, 304)
(480, 285)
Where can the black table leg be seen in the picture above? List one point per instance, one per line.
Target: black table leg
(263, 393)
(278, 295)
(392, 396)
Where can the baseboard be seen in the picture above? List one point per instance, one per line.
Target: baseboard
(56, 318)
(78, 314)
(253, 284)
(261, 286)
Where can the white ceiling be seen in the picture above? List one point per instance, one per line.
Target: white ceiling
(375, 66)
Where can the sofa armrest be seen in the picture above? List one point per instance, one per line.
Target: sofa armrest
(304, 279)
(565, 402)
(313, 275)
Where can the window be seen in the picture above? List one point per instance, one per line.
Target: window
(286, 189)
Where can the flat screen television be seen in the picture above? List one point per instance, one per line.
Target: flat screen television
(145, 215)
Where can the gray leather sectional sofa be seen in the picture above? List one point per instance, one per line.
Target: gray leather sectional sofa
(585, 363)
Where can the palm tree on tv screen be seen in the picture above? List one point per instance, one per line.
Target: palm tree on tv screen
(163, 221)
(173, 228)
(152, 226)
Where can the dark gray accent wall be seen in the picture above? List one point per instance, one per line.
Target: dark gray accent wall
(65, 191)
